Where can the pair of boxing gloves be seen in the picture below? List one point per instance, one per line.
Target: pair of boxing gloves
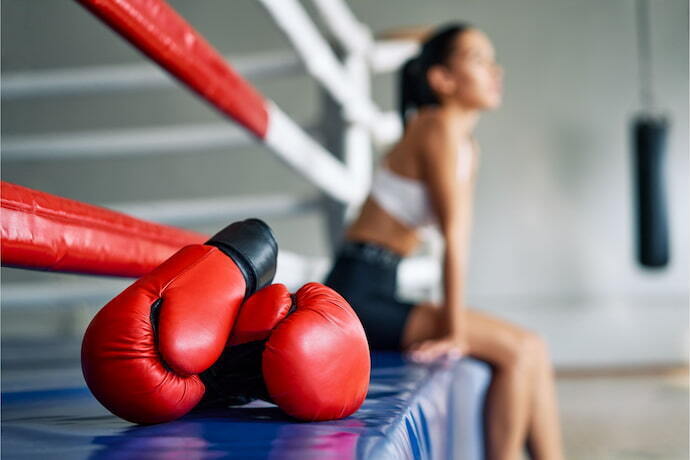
(206, 328)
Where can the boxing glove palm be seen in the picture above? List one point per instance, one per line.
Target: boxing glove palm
(142, 352)
(305, 352)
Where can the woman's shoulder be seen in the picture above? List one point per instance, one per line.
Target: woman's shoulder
(434, 138)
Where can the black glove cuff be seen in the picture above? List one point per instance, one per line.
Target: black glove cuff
(252, 246)
(236, 378)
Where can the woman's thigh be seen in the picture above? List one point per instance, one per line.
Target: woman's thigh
(489, 338)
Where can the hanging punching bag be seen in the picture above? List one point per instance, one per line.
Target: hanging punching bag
(649, 144)
(649, 149)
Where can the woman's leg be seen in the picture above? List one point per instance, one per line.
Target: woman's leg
(521, 405)
(545, 428)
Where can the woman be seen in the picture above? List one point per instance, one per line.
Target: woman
(428, 177)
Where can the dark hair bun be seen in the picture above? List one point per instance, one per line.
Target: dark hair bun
(415, 91)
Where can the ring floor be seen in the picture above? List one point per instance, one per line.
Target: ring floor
(410, 412)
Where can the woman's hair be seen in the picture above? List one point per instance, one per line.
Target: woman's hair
(415, 91)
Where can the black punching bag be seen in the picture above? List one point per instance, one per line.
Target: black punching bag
(649, 144)
(649, 149)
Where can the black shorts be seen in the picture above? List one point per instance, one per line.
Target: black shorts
(365, 275)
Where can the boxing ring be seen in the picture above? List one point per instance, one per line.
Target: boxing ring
(410, 411)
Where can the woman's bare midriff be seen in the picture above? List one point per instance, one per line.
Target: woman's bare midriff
(375, 225)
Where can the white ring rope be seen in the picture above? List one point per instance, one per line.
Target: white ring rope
(356, 38)
(126, 142)
(170, 139)
(130, 77)
(322, 63)
(197, 211)
(351, 34)
(297, 149)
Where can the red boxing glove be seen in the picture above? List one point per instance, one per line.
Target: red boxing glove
(142, 352)
(305, 352)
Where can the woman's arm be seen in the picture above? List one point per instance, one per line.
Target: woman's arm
(451, 199)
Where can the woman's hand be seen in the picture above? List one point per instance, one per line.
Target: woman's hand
(448, 347)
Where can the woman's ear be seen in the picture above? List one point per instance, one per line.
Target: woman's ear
(440, 80)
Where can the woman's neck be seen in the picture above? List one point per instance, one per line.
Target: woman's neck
(462, 118)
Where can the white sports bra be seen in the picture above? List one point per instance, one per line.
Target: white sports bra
(408, 199)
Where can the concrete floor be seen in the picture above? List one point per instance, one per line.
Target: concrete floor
(643, 417)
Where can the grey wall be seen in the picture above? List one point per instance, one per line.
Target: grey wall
(554, 208)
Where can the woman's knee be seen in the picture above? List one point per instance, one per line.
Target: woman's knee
(526, 350)
(538, 348)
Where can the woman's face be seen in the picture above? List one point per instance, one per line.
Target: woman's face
(472, 77)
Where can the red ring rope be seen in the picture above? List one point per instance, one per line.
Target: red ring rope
(156, 29)
(47, 232)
